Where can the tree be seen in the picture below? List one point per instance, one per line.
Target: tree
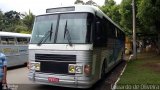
(149, 14)
(21, 29)
(106, 2)
(126, 16)
(10, 20)
(110, 2)
(79, 2)
(90, 2)
(112, 10)
(28, 21)
(2, 25)
(13, 21)
(12, 17)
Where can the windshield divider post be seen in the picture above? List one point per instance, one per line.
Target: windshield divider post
(56, 31)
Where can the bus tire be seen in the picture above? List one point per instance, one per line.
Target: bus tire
(103, 70)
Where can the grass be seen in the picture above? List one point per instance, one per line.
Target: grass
(144, 70)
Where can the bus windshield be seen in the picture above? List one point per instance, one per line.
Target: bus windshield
(66, 28)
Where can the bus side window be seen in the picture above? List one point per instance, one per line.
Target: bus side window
(11, 41)
(7, 40)
(111, 31)
(3, 41)
(22, 41)
(25, 41)
(28, 40)
(97, 33)
(104, 30)
(100, 38)
(19, 41)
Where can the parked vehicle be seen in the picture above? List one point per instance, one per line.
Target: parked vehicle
(15, 47)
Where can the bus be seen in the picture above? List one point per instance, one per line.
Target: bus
(74, 46)
(15, 47)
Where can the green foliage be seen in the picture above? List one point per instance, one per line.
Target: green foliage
(89, 2)
(149, 14)
(13, 21)
(126, 16)
(28, 20)
(21, 28)
(110, 2)
(2, 25)
(79, 2)
(12, 17)
(112, 10)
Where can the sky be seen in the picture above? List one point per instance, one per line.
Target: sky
(38, 6)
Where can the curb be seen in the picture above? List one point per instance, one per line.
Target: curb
(115, 84)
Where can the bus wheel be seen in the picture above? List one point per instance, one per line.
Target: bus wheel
(103, 70)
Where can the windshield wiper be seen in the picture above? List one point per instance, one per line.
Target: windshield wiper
(51, 31)
(66, 31)
(47, 34)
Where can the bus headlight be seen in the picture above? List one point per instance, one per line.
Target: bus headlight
(79, 69)
(73, 68)
(37, 66)
(34, 66)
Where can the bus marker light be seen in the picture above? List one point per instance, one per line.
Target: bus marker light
(87, 69)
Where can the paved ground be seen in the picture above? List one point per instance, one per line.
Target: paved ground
(18, 78)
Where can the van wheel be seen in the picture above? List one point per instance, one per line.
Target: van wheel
(25, 64)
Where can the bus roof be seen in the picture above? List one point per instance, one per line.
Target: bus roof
(12, 34)
(81, 8)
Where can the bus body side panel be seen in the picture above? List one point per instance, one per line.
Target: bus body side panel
(112, 54)
(97, 62)
(16, 55)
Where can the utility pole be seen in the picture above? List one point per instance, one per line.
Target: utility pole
(134, 30)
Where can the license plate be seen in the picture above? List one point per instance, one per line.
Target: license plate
(53, 79)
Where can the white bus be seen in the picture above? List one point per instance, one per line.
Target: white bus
(15, 47)
(74, 46)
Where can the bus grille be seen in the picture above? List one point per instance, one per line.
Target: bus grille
(55, 57)
(53, 63)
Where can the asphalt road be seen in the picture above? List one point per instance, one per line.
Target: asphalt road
(17, 80)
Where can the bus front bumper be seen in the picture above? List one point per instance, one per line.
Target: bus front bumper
(64, 80)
